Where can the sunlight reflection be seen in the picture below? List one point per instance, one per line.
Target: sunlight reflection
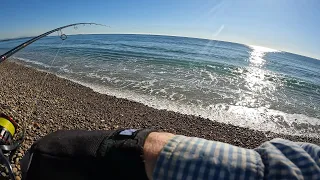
(256, 56)
(258, 89)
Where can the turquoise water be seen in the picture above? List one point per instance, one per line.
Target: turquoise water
(244, 85)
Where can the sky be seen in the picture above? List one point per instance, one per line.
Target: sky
(287, 25)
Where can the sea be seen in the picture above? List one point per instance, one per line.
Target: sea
(244, 85)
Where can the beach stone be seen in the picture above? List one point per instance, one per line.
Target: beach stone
(20, 155)
(3, 174)
(18, 178)
(14, 170)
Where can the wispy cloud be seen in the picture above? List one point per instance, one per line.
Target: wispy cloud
(215, 34)
(216, 8)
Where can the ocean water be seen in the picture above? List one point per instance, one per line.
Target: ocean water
(248, 86)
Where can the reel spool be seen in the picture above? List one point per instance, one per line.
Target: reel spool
(7, 129)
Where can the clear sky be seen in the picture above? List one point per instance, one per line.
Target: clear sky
(289, 25)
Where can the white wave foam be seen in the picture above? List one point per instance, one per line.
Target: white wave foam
(209, 74)
(65, 69)
(262, 119)
(33, 62)
(255, 118)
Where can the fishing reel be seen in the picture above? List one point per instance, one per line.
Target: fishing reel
(8, 146)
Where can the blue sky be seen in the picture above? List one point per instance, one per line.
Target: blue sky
(289, 25)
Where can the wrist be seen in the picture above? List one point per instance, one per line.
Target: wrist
(152, 148)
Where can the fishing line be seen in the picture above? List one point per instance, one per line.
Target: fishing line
(8, 149)
(63, 37)
(21, 135)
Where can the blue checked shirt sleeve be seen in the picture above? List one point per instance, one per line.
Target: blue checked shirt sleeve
(195, 158)
(285, 159)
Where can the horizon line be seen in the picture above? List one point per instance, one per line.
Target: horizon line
(149, 34)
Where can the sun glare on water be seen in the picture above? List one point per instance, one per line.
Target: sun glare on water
(256, 56)
(255, 78)
(262, 49)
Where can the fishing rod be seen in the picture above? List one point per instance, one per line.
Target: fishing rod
(25, 44)
(8, 126)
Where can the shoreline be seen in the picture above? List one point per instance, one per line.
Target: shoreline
(260, 119)
(167, 105)
(58, 103)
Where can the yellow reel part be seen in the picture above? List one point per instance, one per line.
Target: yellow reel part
(7, 125)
